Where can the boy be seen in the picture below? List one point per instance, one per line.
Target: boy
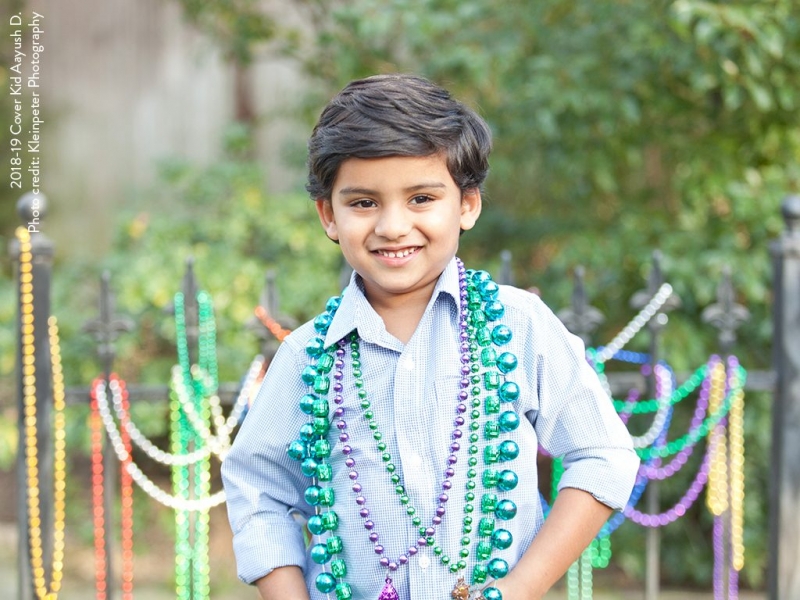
(402, 424)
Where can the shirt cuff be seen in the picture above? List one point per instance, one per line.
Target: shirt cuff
(609, 479)
(257, 556)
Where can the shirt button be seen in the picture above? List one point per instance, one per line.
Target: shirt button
(408, 364)
(415, 461)
(424, 562)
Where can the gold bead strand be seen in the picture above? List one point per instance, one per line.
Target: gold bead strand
(717, 492)
(43, 591)
(736, 429)
(60, 454)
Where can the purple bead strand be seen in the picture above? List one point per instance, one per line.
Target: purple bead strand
(454, 448)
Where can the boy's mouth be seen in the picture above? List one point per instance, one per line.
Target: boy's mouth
(398, 253)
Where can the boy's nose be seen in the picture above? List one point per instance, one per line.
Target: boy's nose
(393, 224)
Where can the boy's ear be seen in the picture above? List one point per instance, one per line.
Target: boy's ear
(325, 212)
(470, 208)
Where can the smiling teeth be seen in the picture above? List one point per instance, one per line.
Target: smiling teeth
(400, 254)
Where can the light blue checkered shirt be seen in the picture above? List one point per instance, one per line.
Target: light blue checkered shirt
(413, 390)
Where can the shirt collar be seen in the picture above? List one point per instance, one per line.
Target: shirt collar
(355, 311)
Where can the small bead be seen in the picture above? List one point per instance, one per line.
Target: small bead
(343, 591)
(334, 544)
(338, 568)
(486, 527)
(484, 549)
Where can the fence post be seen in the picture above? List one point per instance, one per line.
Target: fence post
(653, 493)
(105, 329)
(31, 209)
(784, 544)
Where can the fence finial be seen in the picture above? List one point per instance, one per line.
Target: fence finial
(107, 326)
(726, 315)
(581, 318)
(790, 209)
(31, 207)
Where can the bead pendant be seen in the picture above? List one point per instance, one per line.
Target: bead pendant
(460, 590)
(388, 592)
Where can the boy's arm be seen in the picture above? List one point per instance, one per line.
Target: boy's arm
(574, 520)
(282, 583)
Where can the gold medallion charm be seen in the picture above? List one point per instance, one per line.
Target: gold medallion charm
(460, 591)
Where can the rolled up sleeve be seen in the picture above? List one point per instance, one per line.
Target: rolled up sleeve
(575, 419)
(262, 484)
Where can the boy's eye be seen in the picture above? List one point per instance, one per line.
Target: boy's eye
(421, 199)
(363, 203)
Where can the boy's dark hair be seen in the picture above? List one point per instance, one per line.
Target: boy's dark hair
(397, 115)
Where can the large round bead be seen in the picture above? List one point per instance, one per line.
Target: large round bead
(509, 450)
(494, 310)
(322, 322)
(307, 432)
(326, 583)
(509, 391)
(333, 304)
(309, 467)
(492, 593)
(308, 374)
(488, 290)
(307, 401)
(315, 347)
(498, 568)
(508, 421)
(479, 277)
(506, 362)
(501, 539)
(506, 509)
(312, 494)
(507, 480)
(501, 335)
(320, 554)
(297, 450)
(315, 524)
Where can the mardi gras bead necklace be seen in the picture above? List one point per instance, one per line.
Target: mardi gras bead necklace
(271, 324)
(43, 590)
(139, 478)
(192, 570)
(480, 364)
(98, 503)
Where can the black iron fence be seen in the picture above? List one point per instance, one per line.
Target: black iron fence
(34, 280)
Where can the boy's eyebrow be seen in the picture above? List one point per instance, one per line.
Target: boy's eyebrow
(354, 191)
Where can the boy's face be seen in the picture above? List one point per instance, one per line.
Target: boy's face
(397, 220)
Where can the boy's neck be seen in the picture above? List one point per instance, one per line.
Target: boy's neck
(401, 317)
(401, 321)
